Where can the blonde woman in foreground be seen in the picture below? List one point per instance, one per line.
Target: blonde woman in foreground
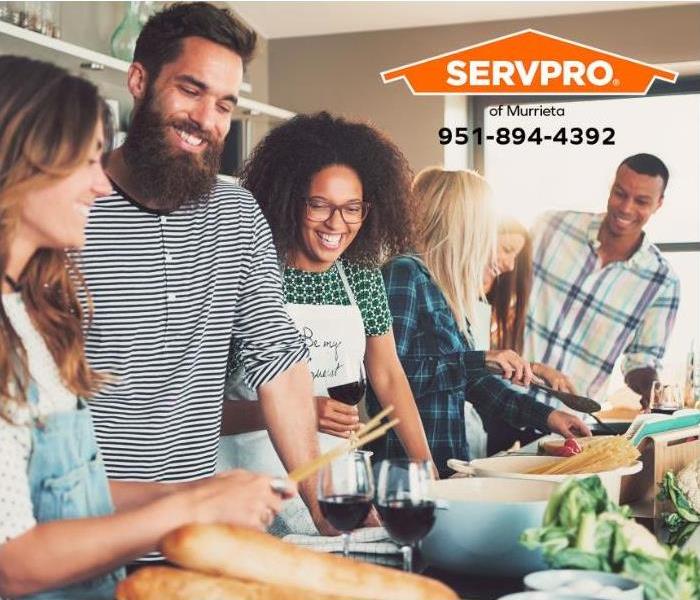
(65, 529)
(433, 295)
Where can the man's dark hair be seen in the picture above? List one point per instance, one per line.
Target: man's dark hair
(160, 41)
(648, 164)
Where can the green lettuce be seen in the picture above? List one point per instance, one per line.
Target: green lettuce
(683, 522)
(583, 529)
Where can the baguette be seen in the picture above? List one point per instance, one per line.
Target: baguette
(254, 556)
(167, 583)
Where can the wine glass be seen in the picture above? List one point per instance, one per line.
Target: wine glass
(665, 399)
(404, 502)
(350, 393)
(345, 493)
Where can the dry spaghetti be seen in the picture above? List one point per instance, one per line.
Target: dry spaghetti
(599, 455)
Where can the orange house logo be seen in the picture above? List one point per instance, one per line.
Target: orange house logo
(529, 62)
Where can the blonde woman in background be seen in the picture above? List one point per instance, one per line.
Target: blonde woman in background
(65, 529)
(433, 295)
(501, 326)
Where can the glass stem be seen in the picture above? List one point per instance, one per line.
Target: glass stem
(346, 544)
(407, 552)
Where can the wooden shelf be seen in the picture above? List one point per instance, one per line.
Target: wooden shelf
(104, 70)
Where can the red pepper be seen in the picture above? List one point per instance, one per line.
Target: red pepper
(573, 446)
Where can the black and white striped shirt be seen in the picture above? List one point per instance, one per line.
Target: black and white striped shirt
(169, 291)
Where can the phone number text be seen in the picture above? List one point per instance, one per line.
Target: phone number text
(574, 136)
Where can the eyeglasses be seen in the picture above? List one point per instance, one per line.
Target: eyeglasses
(319, 210)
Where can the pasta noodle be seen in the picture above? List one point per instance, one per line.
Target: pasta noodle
(599, 455)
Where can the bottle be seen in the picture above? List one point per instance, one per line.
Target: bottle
(689, 381)
(127, 32)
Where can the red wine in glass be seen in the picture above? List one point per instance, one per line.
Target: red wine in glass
(345, 493)
(348, 393)
(406, 522)
(345, 512)
(404, 502)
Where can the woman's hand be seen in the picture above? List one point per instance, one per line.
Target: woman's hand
(239, 498)
(553, 378)
(567, 425)
(336, 418)
(514, 366)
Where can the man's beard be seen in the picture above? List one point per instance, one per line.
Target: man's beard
(167, 178)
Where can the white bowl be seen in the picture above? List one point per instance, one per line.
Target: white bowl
(551, 580)
(517, 467)
(478, 533)
(542, 596)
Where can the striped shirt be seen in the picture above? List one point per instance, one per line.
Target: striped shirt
(169, 292)
(582, 316)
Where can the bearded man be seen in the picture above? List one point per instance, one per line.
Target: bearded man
(179, 262)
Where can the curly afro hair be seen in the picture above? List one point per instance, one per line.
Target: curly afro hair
(281, 167)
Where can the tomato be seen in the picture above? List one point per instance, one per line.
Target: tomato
(562, 451)
(573, 446)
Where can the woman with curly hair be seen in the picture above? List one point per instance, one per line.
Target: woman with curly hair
(336, 195)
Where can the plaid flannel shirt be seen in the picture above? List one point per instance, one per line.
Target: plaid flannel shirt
(443, 369)
(583, 317)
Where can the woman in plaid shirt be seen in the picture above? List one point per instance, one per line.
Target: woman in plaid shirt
(432, 296)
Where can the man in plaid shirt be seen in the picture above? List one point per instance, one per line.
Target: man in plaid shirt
(602, 289)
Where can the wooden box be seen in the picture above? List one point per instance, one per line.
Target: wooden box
(660, 452)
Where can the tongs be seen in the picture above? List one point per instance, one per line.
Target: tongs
(573, 401)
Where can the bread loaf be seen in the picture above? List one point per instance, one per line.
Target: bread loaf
(166, 583)
(254, 556)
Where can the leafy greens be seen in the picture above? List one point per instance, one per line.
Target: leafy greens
(583, 529)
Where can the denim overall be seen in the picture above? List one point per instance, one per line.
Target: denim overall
(68, 481)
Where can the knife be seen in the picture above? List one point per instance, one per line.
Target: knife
(573, 401)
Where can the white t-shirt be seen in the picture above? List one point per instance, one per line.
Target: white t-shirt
(481, 327)
(16, 513)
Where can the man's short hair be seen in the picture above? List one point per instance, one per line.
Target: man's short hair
(160, 41)
(648, 164)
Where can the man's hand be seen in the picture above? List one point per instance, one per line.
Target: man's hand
(336, 418)
(566, 424)
(553, 378)
(514, 366)
(640, 381)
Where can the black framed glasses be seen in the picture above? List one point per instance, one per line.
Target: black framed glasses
(320, 210)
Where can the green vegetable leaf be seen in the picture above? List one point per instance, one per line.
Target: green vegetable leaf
(571, 558)
(584, 529)
(669, 490)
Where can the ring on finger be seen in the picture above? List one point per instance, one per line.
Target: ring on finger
(278, 485)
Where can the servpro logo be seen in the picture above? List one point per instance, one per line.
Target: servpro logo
(529, 62)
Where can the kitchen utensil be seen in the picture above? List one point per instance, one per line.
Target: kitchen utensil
(478, 532)
(573, 401)
(517, 467)
(370, 431)
(612, 428)
(584, 582)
